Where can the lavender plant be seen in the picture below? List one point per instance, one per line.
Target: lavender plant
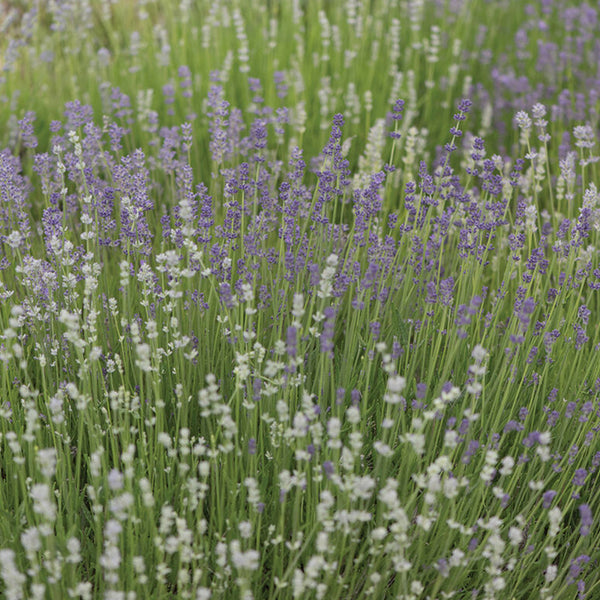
(238, 364)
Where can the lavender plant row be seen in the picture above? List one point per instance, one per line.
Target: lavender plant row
(230, 368)
(313, 58)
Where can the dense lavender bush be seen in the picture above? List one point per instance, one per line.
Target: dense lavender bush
(267, 331)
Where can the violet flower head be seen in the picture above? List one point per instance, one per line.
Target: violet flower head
(280, 84)
(328, 331)
(478, 149)
(524, 312)
(168, 91)
(333, 147)
(226, 295)
(464, 106)
(328, 468)
(547, 498)
(26, 129)
(131, 179)
(186, 81)
(77, 115)
(576, 567)
(258, 136)
(570, 409)
(121, 104)
(532, 439)
(397, 110)
(470, 451)
(584, 314)
(186, 135)
(446, 291)
(579, 477)
(291, 342)
(375, 327)
(256, 389)
(396, 115)
(218, 124)
(585, 513)
(443, 567)
(14, 203)
(581, 338)
(513, 425)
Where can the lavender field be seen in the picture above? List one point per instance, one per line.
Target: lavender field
(299, 299)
